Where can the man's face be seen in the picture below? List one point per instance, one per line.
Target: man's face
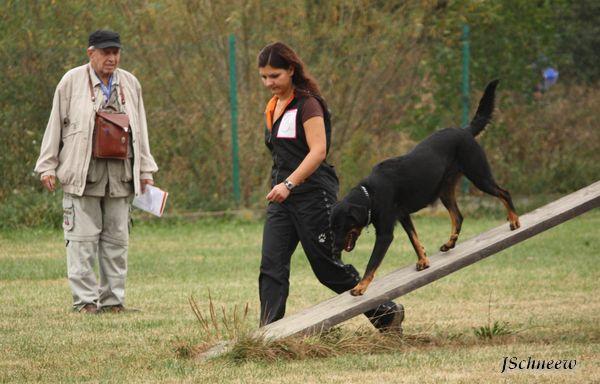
(104, 60)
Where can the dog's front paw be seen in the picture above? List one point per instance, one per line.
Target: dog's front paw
(450, 243)
(446, 247)
(358, 290)
(422, 264)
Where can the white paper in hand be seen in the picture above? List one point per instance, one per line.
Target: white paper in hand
(153, 200)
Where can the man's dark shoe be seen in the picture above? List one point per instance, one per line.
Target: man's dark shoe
(112, 309)
(89, 309)
(117, 309)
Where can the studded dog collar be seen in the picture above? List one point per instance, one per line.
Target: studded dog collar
(364, 189)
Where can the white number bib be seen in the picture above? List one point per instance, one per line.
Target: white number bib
(287, 127)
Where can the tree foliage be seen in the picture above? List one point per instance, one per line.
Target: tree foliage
(390, 72)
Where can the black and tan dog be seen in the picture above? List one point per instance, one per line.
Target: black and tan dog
(402, 185)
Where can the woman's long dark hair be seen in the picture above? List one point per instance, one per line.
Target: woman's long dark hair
(279, 55)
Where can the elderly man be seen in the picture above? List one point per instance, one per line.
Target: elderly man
(98, 184)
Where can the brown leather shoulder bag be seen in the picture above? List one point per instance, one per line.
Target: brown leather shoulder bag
(111, 136)
(111, 131)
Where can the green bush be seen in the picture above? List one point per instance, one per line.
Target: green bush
(390, 73)
(30, 207)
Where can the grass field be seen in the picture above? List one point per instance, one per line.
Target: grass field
(546, 288)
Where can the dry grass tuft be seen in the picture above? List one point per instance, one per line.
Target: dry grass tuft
(334, 342)
(244, 344)
(186, 350)
(220, 327)
(229, 327)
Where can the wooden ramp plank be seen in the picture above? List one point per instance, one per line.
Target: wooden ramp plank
(345, 306)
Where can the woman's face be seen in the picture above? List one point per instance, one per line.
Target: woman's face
(279, 81)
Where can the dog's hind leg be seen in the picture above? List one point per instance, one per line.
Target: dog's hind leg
(423, 261)
(448, 198)
(512, 218)
(474, 165)
(489, 186)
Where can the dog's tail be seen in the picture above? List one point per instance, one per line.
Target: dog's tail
(485, 109)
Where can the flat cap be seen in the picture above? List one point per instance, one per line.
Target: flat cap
(104, 39)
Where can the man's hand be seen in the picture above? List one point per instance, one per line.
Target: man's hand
(279, 193)
(143, 182)
(49, 182)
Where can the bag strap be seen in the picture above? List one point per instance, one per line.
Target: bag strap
(92, 88)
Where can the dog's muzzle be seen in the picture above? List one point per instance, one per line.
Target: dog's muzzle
(351, 238)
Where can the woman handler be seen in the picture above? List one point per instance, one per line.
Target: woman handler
(304, 187)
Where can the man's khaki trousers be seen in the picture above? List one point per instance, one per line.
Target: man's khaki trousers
(96, 228)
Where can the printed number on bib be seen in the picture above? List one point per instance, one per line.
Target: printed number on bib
(287, 127)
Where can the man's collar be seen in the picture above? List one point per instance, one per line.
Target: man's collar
(93, 77)
(96, 79)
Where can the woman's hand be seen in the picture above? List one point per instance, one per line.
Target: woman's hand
(279, 193)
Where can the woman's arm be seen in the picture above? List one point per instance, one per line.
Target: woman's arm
(314, 129)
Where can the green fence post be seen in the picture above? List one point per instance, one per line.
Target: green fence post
(234, 121)
(465, 76)
(465, 88)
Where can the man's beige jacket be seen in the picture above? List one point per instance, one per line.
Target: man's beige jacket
(67, 144)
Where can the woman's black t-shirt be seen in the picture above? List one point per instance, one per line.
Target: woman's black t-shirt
(287, 142)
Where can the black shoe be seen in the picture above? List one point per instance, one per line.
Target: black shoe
(395, 325)
(388, 317)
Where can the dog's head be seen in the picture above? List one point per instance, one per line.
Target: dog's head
(347, 221)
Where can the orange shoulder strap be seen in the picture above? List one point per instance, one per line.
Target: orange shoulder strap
(269, 111)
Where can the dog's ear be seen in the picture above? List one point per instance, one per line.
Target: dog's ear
(359, 213)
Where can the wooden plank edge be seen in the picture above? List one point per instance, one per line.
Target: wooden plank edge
(545, 224)
(430, 275)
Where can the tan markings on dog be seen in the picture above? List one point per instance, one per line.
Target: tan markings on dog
(453, 234)
(361, 287)
(423, 261)
(351, 238)
(450, 244)
(513, 218)
(448, 198)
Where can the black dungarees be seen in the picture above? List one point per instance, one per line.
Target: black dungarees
(303, 217)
